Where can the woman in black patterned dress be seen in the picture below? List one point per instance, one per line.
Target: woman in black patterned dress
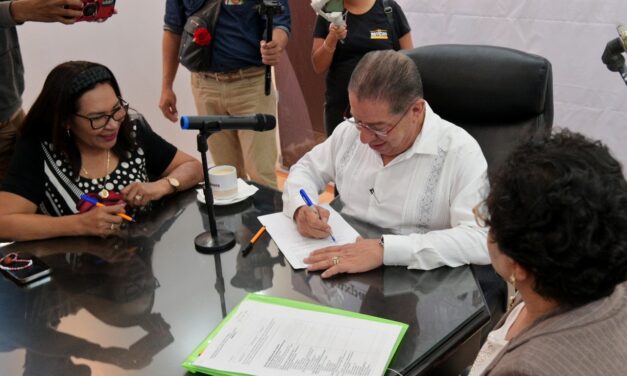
(79, 138)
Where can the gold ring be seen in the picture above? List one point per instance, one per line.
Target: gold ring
(335, 260)
(138, 197)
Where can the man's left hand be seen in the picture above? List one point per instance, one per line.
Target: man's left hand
(361, 256)
(271, 52)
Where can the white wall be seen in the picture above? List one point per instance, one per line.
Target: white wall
(570, 33)
(129, 43)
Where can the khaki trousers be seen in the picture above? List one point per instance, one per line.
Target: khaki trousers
(254, 154)
(9, 131)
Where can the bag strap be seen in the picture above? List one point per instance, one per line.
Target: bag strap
(389, 14)
(209, 11)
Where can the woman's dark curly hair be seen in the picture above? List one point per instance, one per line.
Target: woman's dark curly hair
(558, 207)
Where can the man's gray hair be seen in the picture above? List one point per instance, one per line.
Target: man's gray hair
(387, 76)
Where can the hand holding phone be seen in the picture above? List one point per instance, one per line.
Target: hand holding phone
(335, 15)
(340, 32)
(23, 268)
(97, 10)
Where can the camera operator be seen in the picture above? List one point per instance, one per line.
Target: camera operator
(13, 13)
(234, 83)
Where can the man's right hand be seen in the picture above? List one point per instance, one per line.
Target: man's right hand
(311, 225)
(46, 10)
(167, 104)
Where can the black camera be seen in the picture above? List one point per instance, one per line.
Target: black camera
(613, 54)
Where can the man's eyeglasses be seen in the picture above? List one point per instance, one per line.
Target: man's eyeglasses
(101, 121)
(380, 132)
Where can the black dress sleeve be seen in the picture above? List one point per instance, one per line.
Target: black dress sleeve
(26, 175)
(158, 152)
(401, 25)
(322, 28)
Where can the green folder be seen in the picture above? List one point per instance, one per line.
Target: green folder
(189, 361)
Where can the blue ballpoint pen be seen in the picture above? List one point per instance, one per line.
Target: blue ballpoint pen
(309, 203)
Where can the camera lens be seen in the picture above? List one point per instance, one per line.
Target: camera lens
(90, 9)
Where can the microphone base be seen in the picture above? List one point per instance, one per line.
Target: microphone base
(207, 244)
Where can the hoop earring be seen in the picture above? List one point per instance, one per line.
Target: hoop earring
(67, 131)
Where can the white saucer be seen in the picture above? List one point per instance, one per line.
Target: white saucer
(244, 190)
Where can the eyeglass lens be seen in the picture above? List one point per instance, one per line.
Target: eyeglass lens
(118, 115)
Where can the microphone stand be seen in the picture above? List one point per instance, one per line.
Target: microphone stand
(214, 240)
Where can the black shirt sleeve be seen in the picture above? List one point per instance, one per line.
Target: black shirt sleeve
(401, 25)
(322, 28)
(26, 176)
(158, 152)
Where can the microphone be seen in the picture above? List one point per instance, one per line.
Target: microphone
(255, 122)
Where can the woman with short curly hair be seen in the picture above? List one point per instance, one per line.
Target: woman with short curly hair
(557, 212)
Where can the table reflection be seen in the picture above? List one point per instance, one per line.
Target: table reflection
(140, 303)
(111, 279)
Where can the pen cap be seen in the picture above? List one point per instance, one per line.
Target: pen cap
(305, 197)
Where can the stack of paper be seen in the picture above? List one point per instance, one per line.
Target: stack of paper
(296, 247)
(272, 336)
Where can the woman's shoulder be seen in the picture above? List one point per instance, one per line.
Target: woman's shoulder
(138, 121)
(140, 131)
(561, 337)
(563, 351)
(32, 149)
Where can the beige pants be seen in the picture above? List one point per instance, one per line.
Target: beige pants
(9, 131)
(254, 154)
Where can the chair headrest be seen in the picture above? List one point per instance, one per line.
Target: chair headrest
(485, 84)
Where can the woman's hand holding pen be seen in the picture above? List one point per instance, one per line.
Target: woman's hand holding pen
(101, 221)
(312, 223)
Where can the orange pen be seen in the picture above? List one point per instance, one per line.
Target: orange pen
(249, 247)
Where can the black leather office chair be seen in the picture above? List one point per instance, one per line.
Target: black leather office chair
(500, 96)
(497, 94)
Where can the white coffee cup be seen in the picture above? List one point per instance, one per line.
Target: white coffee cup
(223, 180)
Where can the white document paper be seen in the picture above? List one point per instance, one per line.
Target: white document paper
(296, 247)
(268, 339)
